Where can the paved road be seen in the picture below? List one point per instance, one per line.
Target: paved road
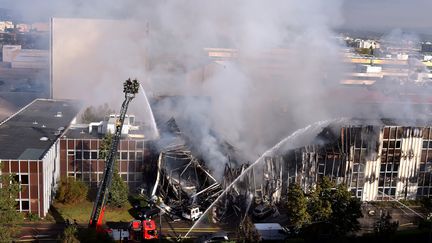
(49, 232)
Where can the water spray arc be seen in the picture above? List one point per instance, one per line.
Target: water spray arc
(152, 119)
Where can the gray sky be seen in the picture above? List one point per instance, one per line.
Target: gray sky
(388, 14)
(383, 15)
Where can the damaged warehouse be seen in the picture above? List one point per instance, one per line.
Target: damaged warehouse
(182, 182)
(385, 161)
(378, 161)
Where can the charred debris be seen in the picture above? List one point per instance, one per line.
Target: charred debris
(340, 151)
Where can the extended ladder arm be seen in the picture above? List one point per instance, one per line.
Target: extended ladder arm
(130, 88)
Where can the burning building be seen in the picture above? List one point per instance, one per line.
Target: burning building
(384, 160)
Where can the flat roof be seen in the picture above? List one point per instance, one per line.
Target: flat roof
(81, 131)
(30, 133)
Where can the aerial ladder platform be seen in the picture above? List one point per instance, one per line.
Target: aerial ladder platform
(130, 89)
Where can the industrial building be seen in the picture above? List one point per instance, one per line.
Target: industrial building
(30, 143)
(25, 58)
(381, 160)
(79, 152)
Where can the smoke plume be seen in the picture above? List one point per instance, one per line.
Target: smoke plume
(286, 60)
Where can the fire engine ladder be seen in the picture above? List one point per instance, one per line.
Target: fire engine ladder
(130, 88)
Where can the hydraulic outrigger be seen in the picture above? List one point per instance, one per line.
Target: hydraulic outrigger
(130, 88)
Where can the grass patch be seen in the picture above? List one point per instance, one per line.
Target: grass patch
(81, 212)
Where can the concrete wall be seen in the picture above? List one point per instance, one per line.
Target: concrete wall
(10, 52)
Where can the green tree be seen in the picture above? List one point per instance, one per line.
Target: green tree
(9, 216)
(335, 206)
(71, 191)
(247, 231)
(320, 200)
(119, 189)
(345, 211)
(95, 114)
(297, 206)
(384, 227)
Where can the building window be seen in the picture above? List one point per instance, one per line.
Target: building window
(25, 205)
(24, 179)
(139, 156)
(124, 155)
(86, 155)
(94, 155)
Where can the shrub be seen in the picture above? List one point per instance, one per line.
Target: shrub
(71, 191)
(70, 235)
(33, 217)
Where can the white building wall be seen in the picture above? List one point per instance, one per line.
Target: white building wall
(51, 175)
(411, 148)
(10, 52)
(372, 172)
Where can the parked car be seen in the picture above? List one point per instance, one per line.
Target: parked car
(219, 236)
(262, 211)
(192, 213)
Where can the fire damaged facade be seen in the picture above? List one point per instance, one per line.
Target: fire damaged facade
(385, 161)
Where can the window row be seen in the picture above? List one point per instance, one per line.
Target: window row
(96, 177)
(99, 165)
(94, 144)
(95, 155)
(385, 192)
(392, 144)
(393, 132)
(387, 179)
(424, 191)
(389, 167)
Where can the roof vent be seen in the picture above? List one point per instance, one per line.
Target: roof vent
(43, 139)
(59, 114)
(43, 126)
(35, 123)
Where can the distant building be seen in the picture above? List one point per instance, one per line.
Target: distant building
(426, 47)
(9, 52)
(2, 26)
(40, 27)
(31, 58)
(369, 69)
(25, 58)
(9, 25)
(30, 145)
(23, 27)
(367, 44)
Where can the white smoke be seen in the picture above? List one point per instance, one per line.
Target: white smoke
(287, 60)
